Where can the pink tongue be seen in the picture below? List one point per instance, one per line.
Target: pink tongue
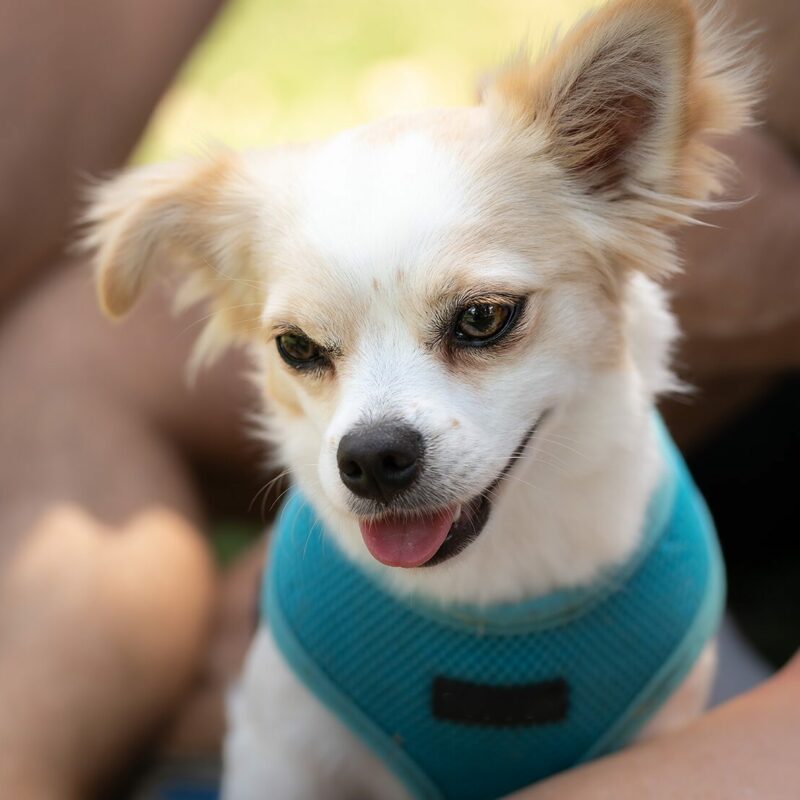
(407, 542)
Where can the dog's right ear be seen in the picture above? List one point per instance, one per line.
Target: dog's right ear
(192, 217)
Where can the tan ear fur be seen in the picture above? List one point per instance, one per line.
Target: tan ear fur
(189, 216)
(622, 99)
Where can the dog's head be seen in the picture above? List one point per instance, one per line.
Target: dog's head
(422, 293)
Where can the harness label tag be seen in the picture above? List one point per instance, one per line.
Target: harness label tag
(521, 705)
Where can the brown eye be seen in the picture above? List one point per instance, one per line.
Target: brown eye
(483, 323)
(298, 350)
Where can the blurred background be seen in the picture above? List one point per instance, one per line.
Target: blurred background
(137, 632)
(271, 72)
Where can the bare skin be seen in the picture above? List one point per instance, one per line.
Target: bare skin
(106, 421)
(737, 298)
(108, 635)
(106, 587)
(78, 82)
(106, 592)
(744, 749)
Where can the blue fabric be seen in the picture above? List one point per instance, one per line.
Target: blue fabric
(622, 646)
(187, 790)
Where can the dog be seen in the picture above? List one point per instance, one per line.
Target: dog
(457, 325)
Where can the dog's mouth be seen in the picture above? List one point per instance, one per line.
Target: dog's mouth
(433, 536)
(427, 538)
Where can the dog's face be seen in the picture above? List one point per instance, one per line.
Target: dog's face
(429, 309)
(422, 293)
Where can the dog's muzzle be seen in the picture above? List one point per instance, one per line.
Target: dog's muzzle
(379, 463)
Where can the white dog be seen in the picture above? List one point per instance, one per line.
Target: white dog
(457, 327)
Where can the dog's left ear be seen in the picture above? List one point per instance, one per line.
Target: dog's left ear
(191, 218)
(619, 102)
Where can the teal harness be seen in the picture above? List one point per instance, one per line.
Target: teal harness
(468, 703)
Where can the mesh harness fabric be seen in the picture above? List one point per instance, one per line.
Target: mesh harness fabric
(472, 703)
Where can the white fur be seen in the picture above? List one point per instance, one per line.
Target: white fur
(364, 241)
(284, 745)
(584, 485)
(571, 507)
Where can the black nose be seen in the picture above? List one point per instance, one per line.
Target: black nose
(379, 461)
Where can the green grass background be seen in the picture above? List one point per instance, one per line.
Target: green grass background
(277, 70)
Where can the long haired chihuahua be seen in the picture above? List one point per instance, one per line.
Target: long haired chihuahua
(493, 565)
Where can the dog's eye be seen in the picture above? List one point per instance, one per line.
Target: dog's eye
(298, 350)
(483, 323)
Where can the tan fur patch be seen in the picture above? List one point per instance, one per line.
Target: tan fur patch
(281, 390)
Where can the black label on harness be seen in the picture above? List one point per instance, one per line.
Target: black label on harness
(541, 703)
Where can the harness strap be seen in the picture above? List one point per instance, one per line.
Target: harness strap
(472, 703)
